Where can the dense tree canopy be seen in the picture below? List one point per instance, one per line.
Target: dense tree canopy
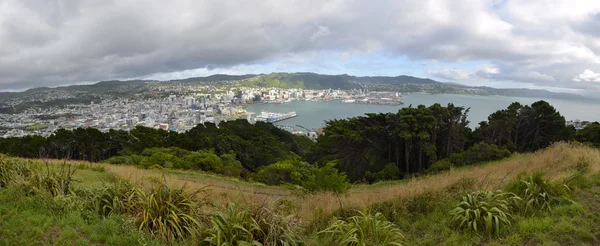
(589, 134)
(525, 128)
(373, 147)
(255, 145)
(411, 139)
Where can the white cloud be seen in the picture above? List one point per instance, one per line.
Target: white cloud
(321, 32)
(489, 69)
(537, 76)
(49, 42)
(587, 76)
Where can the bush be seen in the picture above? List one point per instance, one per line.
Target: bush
(133, 160)
(117, 160)
(288, 171)
(326, 178)
(277, 227)
(231, 166)
(363, 229)
(169, 214)
(55, 182)
(389, 172)
(205, 161)
(537, 193)
(439, 166)
(10, 170)
(114, 198)
(233, 228)
(29, 180)
(165, 160)
(480, 152)
(174, 151)
(484, 210)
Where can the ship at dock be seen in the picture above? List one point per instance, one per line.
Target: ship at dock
(378, 98)
(274, 117)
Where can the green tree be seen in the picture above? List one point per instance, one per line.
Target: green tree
(589, 134)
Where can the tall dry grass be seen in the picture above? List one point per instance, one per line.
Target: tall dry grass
(559, 161)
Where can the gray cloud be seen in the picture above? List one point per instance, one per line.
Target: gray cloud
(52, 42)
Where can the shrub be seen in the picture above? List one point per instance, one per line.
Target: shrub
(135, 160)
(56, 182)
(115, 199)
(483, 210)
(288, 171)
(480, 152)
(231, 166)
(125, 160)
(389, 172)
(117, 160)
(277, 227)
(233, 228)
(439, 166)
(537, 193)
(363, 229)
(326, 178)
(169, 214)
(165, 160)
(205, 161)
(30, 180)
(11, 169)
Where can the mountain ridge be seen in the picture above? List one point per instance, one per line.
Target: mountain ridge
(310, 80)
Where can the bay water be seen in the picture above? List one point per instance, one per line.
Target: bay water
(313, 115)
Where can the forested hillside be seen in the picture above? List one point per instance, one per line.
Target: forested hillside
(370, 148)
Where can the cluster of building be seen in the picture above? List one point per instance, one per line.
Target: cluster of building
(175, 108)
(379, 98)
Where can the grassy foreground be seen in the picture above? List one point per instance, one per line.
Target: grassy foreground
(418, 210)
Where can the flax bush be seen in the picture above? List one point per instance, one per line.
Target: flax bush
(537, 193)
(484, 211)
(169, 214)
(234, 227)
(363, 229)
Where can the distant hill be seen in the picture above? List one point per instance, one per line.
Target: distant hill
(402, 79)
(522, 92)
(215, 78)
(306, 80)
(320, 81)
(302, 80)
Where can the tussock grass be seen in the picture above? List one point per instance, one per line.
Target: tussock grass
(558, 162)
(170, 214)
(419, 208)
(366, 228)
(484, 211)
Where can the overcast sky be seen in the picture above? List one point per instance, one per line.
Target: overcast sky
(552, 44)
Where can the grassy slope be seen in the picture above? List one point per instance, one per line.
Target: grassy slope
(419, 206)
(557, 162)
(34, 220)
